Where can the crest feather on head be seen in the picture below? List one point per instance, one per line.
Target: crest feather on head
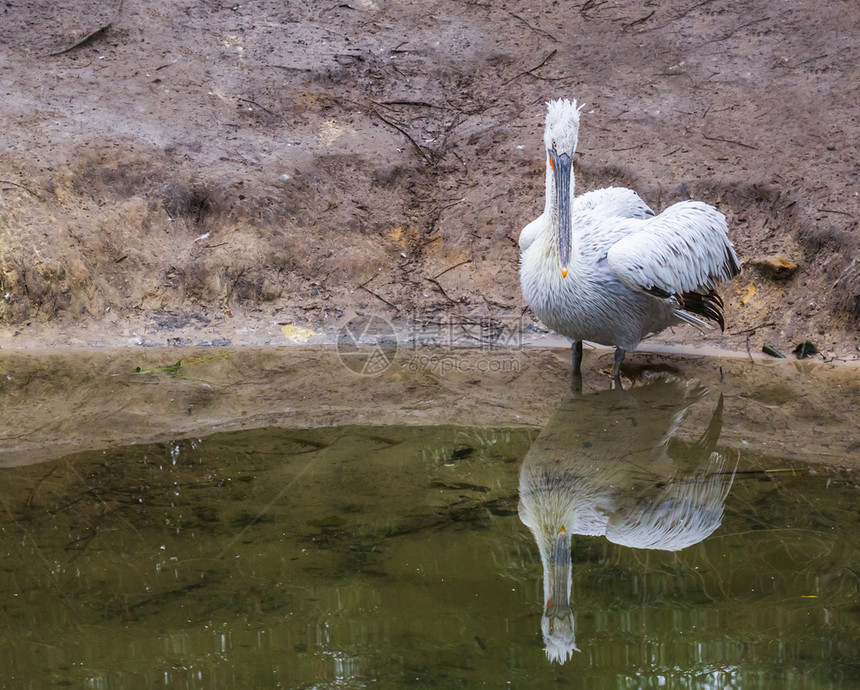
(562, 124)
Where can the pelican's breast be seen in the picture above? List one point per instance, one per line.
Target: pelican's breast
(590, 303)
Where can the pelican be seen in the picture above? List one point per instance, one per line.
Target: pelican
(615, 467)
(603, 267)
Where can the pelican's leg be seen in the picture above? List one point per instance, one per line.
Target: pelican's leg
(616, 372)
(576, 371)
(576, 351)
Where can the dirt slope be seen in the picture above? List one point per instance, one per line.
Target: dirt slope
(214, 171)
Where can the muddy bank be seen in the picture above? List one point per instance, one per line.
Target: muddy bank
(56, 404)
(214, 172)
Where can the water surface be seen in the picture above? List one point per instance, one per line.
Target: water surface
(710, 545)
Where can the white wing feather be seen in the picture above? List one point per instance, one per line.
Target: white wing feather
(684, 513)
(530, 231)
(685, 248)
(613, 201)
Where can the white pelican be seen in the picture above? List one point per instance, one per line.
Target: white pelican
(612, 466)
(602, 267)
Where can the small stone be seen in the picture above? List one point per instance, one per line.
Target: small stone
(775, 267)
(805, 349)
(772, 351)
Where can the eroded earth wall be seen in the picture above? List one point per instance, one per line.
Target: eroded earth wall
(213, 171)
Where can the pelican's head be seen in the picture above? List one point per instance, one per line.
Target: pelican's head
(562, 126)
(560, 138)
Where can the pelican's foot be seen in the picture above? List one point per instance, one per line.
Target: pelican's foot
(621, 383)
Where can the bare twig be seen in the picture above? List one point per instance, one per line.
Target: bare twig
(451, 268)
(533, 69)
(535, 76)
(381, 299)
(91, 36)
(394, 67)
(364, 287)
(750, 331)
(35, 487)
(369, 280)
(833, 210)
(15, 184)
(412, 141)
(261, 107)
(590, 5)
(817, 57)
(290, 68)
(534, 28)
(415, 104)
(456, 201)
(465, 167)
(731, 141)
(678, 16)
(731, 33)
(441, 289)
(641, 20)
(342, 5)
(86, 39)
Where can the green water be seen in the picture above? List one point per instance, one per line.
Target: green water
(394, 556)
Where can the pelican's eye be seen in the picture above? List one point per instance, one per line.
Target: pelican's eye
(553, 144)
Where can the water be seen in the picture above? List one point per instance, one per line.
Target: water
(314, 554)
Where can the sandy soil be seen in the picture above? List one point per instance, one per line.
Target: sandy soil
(213, 172)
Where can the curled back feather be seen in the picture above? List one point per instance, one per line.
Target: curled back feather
(685, 249)
(531, 231)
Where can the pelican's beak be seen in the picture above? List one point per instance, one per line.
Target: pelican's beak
(557, 621)
(562, 169)
(558, 605)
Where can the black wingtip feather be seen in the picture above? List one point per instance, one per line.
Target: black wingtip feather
(708, 305)
(732, 265)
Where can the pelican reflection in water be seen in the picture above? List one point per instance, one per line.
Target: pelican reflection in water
(610, 464)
